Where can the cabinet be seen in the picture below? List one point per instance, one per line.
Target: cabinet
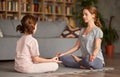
(44, 10)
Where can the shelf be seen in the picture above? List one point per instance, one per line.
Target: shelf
(44, 10)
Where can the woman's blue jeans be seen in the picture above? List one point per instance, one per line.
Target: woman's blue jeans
(69, 61)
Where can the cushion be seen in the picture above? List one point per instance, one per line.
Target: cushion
(48, 29)
(72, 22)
(70, 33)
(7, 27)
(1, 34)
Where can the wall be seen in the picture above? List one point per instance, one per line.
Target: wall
(108, 8)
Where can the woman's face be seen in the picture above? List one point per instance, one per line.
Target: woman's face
(87, 16)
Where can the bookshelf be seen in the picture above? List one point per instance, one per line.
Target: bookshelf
(44, 10)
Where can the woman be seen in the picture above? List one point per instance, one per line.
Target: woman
(89, 42)
(27, 58)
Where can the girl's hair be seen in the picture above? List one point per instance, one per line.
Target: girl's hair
(93, 10)
(28, 23)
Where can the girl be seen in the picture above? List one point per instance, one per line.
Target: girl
(27, 58)
(89, 42)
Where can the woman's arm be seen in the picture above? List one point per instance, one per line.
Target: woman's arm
(96, 48)
(75, 48)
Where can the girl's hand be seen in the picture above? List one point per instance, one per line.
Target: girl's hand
(92, 58)
(56, 59)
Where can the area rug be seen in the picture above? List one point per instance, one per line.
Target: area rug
(7, 70)
(65, 70)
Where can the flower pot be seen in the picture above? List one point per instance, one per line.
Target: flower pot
(109, 50)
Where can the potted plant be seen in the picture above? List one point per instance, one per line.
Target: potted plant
(110, 36)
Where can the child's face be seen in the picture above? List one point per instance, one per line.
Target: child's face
(35, 28)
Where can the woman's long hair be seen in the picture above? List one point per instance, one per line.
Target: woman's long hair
(93, 10)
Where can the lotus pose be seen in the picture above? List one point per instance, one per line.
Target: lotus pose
(28, 58)
(89, 43)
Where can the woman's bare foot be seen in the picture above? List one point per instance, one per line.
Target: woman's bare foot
(82, 67)
(77, 59)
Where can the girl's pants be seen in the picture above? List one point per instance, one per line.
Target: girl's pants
(41, 68)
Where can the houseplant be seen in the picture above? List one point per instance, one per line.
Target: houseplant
(110, 36)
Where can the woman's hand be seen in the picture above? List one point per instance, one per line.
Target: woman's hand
(59, 54)
(92, 57)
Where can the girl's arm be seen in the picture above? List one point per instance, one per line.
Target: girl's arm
(96, 49)
(37, 59)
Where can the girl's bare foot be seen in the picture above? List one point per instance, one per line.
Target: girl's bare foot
(49, 72)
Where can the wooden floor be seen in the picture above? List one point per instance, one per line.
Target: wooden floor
(111, 62)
